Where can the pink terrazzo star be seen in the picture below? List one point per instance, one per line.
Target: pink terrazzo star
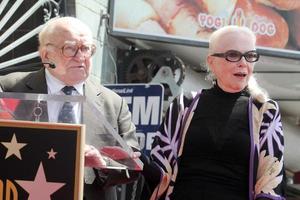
(51, 154)
(40, 188)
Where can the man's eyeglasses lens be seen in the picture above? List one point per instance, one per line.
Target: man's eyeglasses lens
(70, 50)
(235, 56)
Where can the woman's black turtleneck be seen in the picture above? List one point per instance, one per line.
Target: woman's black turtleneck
(215, 161)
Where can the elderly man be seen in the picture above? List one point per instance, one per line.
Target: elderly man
(66, 49)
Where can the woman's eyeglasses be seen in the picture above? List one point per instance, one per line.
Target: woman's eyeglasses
(235, 56)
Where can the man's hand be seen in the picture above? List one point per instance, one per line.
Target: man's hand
(93, 158)
(117, 154)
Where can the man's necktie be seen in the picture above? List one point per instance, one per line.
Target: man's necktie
(66, 114)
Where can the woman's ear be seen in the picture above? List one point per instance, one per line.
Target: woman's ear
(209, 62)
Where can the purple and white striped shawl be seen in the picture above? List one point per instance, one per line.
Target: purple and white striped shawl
(266, 155)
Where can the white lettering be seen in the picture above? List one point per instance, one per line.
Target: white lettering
(210, 21)
(122, 90)
(145, 140)
(142, 112)
(141, 139)
(149, 141)
(262, 26)
(128, 99)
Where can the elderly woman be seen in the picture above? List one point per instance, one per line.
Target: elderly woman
(225, 142)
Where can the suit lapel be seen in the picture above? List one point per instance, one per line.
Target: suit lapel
(93, 92)
(36, 83)
(93, 101)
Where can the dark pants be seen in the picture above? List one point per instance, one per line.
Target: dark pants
(94, 192)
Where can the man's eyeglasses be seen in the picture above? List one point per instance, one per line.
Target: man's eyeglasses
(235, 56)
(71, 50)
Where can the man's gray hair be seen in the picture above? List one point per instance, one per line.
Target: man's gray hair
(51, 25)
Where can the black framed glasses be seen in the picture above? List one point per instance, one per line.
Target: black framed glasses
(71, 49)
(235, 56)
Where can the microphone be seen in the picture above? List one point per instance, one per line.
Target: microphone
(50, 64)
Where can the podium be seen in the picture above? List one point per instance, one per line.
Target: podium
(43, 159)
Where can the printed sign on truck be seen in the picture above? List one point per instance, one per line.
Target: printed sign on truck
(191, 22)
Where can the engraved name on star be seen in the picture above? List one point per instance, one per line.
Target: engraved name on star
(13, 147)
(51, 154)
(40, 189)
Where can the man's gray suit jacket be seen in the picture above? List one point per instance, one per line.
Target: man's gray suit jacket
(111, 105)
